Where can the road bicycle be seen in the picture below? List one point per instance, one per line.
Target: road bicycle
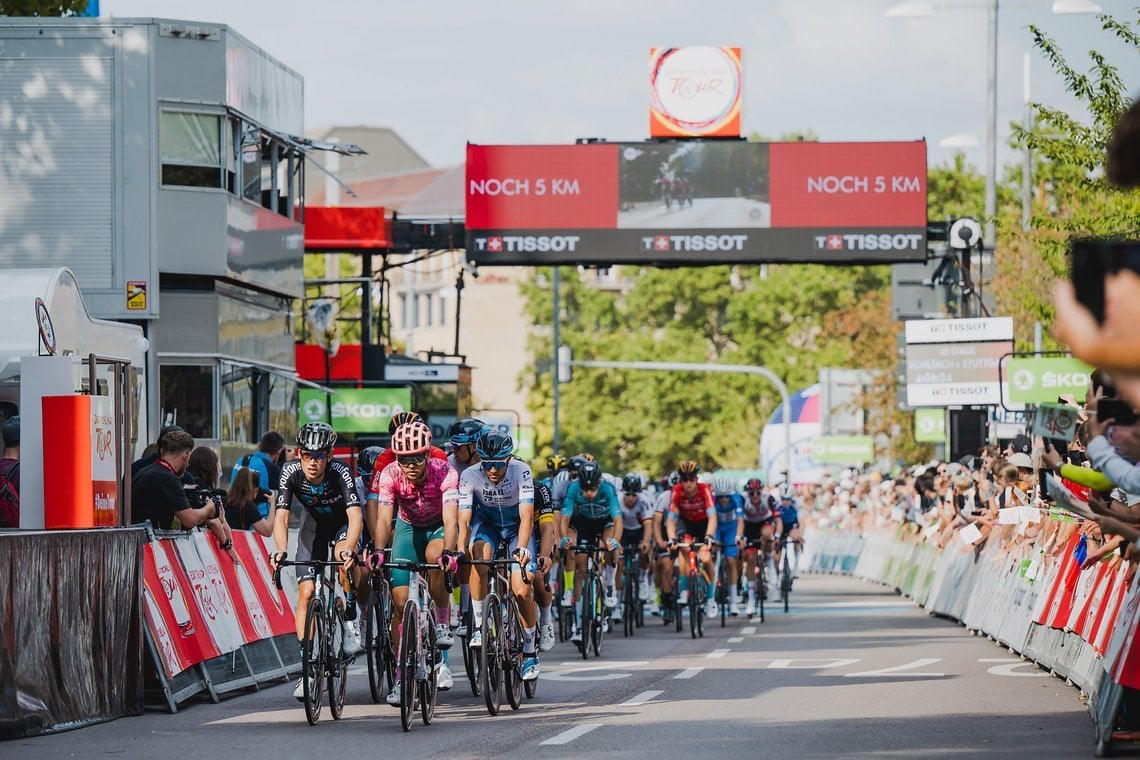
(323, 663)
(785, 569)
(698, 593)
(500, 656)
(470, 654)
(721, 593)
(760, 572)
(419, 658)
(592, 616)
(379, 649)
(633, 606)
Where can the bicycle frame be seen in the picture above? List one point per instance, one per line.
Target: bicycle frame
(500, 657)
(418, 658)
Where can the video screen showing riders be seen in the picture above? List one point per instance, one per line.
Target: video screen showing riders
(694, 185)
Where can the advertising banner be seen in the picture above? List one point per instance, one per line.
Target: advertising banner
(210, 596)
(959, 330)
(179, 630)
(274, 603)
(953, 374)
(696, 202)
(694, 91)
(354, 410)
(844, 449)
(1056, 421)
(237, 587)
(104, 462)
(929, 425)
(1036, 380)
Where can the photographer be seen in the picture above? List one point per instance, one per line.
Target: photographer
(205, 469)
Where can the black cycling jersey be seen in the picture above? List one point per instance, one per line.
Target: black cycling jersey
(326, 502)
(543, 503)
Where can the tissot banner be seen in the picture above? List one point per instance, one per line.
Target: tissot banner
(696, 202)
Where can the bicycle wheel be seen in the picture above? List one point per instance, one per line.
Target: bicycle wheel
(785, 586)
(512, 653)
(337, 662)
(696, 587)
(471, 656)
(677, 609)
(601, 613)
(489, 658)
(586, 617)
(429, 686)
(409, 665)
(377, 644)
(313, 658)
(722, 593)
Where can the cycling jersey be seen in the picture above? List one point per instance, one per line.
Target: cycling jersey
(326, 502)
(497, 505)
(420, 505)
(633, 517)
(604, 505)
(387, 457)
(661, 502)
(730, 512)
(543, 504)
(459, 468)
(758, 513)
(695, 508)
(788, 516)
(558, 491)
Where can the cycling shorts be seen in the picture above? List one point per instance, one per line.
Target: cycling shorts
(752, 530)
(410, 545)
(590, 530)
(631, 539)
(698, 530)
(726, 536)
(313, 546)
(509, 535)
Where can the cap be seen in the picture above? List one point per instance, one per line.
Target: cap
(1020, 460)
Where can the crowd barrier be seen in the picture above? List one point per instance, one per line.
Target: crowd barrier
(1032, 597)
(71, 633)
(213, 625)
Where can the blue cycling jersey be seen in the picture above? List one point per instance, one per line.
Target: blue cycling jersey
(788, 515)
(604, 504)
(731, 511)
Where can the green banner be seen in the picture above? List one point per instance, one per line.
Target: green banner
(843, 449)
(354, 410)
(524, 443)
(1041, 379)
(930, 425)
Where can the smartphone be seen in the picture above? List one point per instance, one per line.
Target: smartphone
(1061, 447)
(1115, 409)
(1086, 270)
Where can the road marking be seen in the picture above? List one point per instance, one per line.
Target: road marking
(1007, 667)
(571, 734)
(736, 640)
(717, 653)
(748, 630)
(899, 670)
(641, 698)
(882, 603)
(809, 663)
(688, 672)
(566, 674)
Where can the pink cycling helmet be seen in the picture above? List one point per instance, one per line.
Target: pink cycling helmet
(411, 438)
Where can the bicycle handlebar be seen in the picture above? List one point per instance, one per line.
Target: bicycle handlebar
(507, 562)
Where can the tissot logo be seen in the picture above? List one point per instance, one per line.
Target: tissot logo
(527, 243)
(868, 242)
(694, 243)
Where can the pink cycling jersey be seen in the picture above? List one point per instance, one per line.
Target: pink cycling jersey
(421, 504)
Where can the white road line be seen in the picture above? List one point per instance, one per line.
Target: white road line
(641, 698)
(901, 670)
(748, 630)
(736, 640)
(717, 653)
(571, 734)
(688, 672)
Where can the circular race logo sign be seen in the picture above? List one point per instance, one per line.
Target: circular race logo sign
(314, 410)
(1024, 379)
(695, 90)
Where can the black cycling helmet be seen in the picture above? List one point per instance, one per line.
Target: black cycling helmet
(465, 431)
(590, 475)
(366, 460)
(575, 463)
(631, 483)
(316, 436)
(492, 445)
(401, 418)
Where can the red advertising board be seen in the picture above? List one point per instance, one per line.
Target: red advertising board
(696, 202)
(181, 634)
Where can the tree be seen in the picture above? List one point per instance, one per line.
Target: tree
(42, 7)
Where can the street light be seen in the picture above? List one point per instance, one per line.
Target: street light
(926, 8)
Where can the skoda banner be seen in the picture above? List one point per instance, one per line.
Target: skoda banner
(1036, 380)
(844, 449)
(354, 410)
(930, 425)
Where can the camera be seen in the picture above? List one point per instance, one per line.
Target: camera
(199, 496)
(965, 234)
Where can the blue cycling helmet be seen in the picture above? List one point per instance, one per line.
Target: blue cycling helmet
(465, 431)
(492, 445)
(366, 460)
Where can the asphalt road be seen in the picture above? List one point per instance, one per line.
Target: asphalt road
(852, 671)
(705, 213)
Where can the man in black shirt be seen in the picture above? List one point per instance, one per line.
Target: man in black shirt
(157, 492)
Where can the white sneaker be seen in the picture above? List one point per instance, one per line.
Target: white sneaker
(299, 692)
(606, 625)
(611, 599)
(443, 679)
(644, 590)
(568, 597)
(711, 608)
(453, 617)
(461, 629)
(351, 644)
(683, 598)
(443, 637)
(734, 603)
(651, 607)
(750, 608)
(476, 638)
(393, 697)
(576, 635)
(546, 637)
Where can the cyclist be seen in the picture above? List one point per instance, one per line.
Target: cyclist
(729, 507)
(544, 528)
(461, 436)
(558, 488)
(388, 456)
(663, 567)
(691, 513)
(555, 463)
(637, 530)
(496, 502)
(332, 513)
(589, 514)
(790, 520)
(424, 495)
(761, 523)
(365, 463)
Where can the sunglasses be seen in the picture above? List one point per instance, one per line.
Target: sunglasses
(411, 459)
(688, 478)
(493, 464)
(316, 456)
(755, 493)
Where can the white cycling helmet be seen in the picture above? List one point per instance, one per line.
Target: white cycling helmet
(723, 485)
(787, 492)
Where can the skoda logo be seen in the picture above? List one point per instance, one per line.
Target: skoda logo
(1024, 379)
(314, 409)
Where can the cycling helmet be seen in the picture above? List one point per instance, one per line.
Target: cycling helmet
(754, 484)
(366, 460)
(673, 479)
(492, 445)
(316, 436)
(465, 431)
(575, 463)
(723, 485)
(631, 483)
(411, 438)
(590, 475)
(588, 457)
(688, 469)
(787, 492)
(556, 463)
(401, 418)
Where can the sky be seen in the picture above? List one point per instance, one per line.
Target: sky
(446, 72)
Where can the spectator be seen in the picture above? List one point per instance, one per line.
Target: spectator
(204, 467)
(10, 474)
(157, 492)
(150, 455)
(242, 511)
(264, 463)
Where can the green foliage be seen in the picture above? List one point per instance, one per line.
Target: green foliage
(42, 7)
(954, 189)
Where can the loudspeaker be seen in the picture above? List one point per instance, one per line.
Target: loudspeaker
(967, 432)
